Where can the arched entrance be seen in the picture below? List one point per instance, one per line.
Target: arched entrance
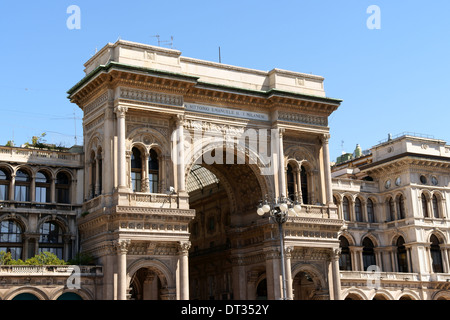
(150, 279)
(261, 290)
(145, 285)
(303, 286)
(224, 196)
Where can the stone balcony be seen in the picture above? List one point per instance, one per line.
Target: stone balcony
(40, 156)
(358, 278)
(48, 271)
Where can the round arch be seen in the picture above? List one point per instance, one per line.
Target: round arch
(40, 294)
(21, 221)
(148, 138)
(441, 295)
(254, 162)
(160, 268)
(354, 294)
(82, 293)
(315, 274)
(61, 221)
(381, 294)
(407, 294)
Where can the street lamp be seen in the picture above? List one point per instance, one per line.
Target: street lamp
(279, 210)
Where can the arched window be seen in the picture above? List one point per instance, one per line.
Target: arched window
(358, 210)
(401, 255)
(345, 262)
(346, 208)
(401, 207)
(290, 182)
(370, 211)
(304, 185)
(4, 185)
(153, 171)
(436, 257)
(11, 238)
(22, 187)
(426, 214)
(368, 253)
(391, 209)
(435, 204)
(62, 188)
(51, 239)
(136, 170)
(42, 189)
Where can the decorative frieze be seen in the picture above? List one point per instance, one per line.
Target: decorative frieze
(95, 104)
(152, 97)
(303, 118)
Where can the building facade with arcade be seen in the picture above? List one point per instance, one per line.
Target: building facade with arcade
(177, 156)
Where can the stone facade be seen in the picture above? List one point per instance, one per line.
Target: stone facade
(397, 198)
(178, 153)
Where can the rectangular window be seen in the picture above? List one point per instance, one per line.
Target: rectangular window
(153, 182)
(136, 181)
(62, 195)
(22, 193)
(3, 192)
(42, 195)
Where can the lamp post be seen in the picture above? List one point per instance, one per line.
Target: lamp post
(279, 210)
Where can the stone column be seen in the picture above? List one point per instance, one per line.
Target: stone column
(122, 249)
(282, 165)
(144, 179)
(184, 269)
(179, 158)
(239, 279)
(273, 274)
(108, 158)
(336, 274)
(327, 168)
(252, 278)
(33, 188)
(288, 255)
(12, 186)
(97, 177)
(444, 260)
(52, 190)
(121, 156)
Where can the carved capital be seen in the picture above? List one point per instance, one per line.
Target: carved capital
(180, 119)
(325, 138)
(183, 247)
(122, 246)
(120, 111)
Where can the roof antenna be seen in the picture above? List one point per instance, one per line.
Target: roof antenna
(167, 42)
(220, 58)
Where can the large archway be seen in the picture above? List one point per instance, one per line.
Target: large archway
(225, 197)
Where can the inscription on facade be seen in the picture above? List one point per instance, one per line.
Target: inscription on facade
(227, 112)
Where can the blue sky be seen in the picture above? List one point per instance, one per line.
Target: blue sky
(392, 79)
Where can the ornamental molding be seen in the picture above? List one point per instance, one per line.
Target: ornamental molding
(94, 105)
(151, 97)
(303, 118)
(143, 212)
